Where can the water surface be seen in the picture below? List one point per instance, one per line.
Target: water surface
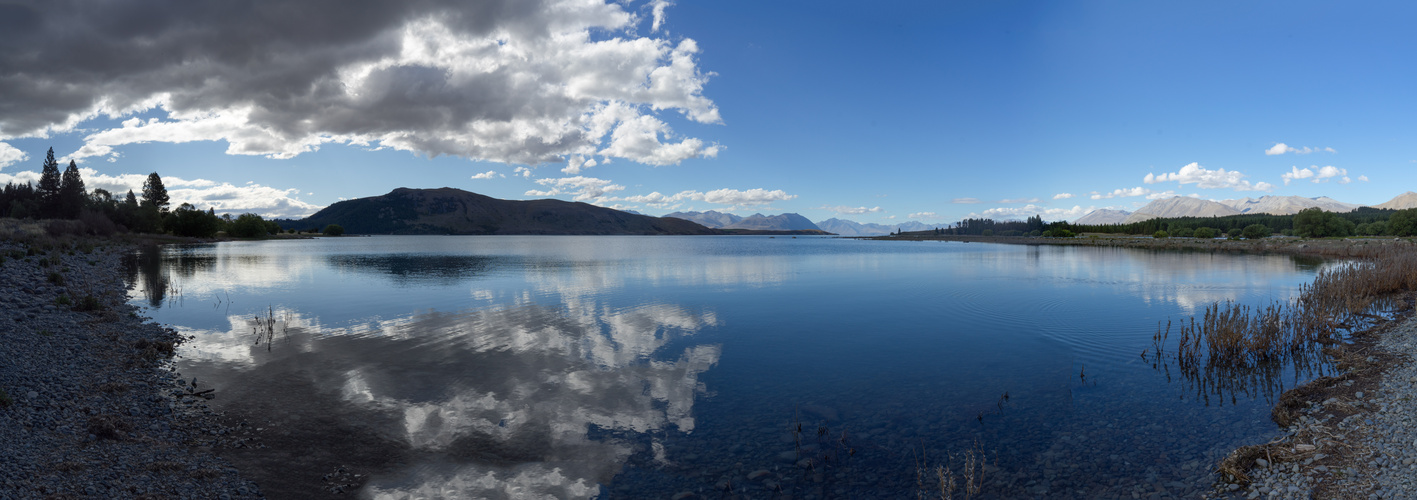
(642, 367)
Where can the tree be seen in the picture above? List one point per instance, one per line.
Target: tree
(186, 220)
(49, 184)
(1160, 234)
(1403, 222)
(1234, 233)
(248, 226)
(155, 194)
(71, 193)
(1316, 223)
(1204, 233)
(334, 230)
(1255, 231)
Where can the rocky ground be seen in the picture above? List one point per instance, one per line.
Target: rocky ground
(1348, 436)
(90, 406)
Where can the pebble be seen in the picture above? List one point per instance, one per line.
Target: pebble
(77, 434)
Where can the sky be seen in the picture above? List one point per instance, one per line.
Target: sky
(883, 112)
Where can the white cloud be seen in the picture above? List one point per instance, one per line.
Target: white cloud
(1062, 196)
(1281, 148)
(1021, 200)
(522, 171)
(580, 188)
(1318, 174)
(576, 163)
(1122, 193)
(526, 84)
(1024, 212)
(9, 155)
(1194, 173)
(845, 210)
(965, 200)
(750, 197)
(487, 175)
(1363, 178)
(224, 197)
(658, 7)
(923, 215)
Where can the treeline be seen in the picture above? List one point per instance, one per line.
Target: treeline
(1309, 223)
(989, 227)
(63, 196)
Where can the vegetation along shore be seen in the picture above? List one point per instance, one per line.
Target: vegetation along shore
(1351, 433)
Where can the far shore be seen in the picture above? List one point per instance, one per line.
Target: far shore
(1317, 247)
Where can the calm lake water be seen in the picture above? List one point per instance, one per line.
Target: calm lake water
(643, 367)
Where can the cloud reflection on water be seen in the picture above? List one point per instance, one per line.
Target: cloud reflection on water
(502, 400)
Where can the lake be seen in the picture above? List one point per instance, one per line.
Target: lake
(647, 367)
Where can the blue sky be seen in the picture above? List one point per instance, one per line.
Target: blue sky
(887, 112)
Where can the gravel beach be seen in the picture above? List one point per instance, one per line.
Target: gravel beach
(90, 406)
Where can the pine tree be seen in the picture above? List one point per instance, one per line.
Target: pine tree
(49, 184)
(71, 192)
(154, 194)
(130, 200)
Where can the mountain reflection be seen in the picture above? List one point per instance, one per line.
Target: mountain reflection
(497, 402)
(415, 269)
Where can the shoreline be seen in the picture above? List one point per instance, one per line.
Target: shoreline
(1350, 435)
(92, 405)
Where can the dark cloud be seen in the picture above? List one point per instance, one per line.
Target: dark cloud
(484, 79)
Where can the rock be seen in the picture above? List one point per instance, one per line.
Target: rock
(758, 474)
(1260, 462)
(684, 495)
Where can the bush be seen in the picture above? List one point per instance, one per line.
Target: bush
(988, 232)
(248, 226)
(1058, 233)
(1234, 233)
(1316, 223)
(5, 399)
(63, 300)
(1184, 232)
(1204, 232)
(334, 230)
(56, 278)
(1160, 234)
(1035, 233)
(1255, 231)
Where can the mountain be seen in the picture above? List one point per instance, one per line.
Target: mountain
(1287, 205)
(1401, 202)
(783, 222)
(454, 211)
(708, 219)
(851, 228)
(1180, 206)
(1103, 216)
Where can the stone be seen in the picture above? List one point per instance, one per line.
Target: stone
(758, 474)
(1260, 462)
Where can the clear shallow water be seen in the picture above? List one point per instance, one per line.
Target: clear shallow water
(641, 367)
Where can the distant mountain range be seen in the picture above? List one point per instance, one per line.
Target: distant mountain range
(1182, 206)
(454, 211)
(760, 222)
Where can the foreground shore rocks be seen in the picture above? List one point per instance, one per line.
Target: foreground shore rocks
(91, 406)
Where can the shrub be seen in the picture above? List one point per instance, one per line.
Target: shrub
(334, 230)
(63, 300)
(248, 226)
(1234, 233)
(1184, 232)
(1160, 234)
(1204, 232)
(56, 278)
(1255, 231)
(988, 232)
(1035, 232)
(5, 399)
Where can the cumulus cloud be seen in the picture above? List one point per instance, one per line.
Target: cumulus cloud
(966, 201)
(923, 215)
(1024, 212)
(1281, 148)
(514, 81)
(223, 197)
(733, 197)
(579, 187)
(1363, 178)
(1202, 177)
(487, 175)
(576, 163)
(9, 155)
(1318, 174)
(845, 210)
(1062, 196)
(1122, 193)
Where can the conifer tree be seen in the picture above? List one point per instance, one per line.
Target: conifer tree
(71, 192)
(154, 194)
(49, 184)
